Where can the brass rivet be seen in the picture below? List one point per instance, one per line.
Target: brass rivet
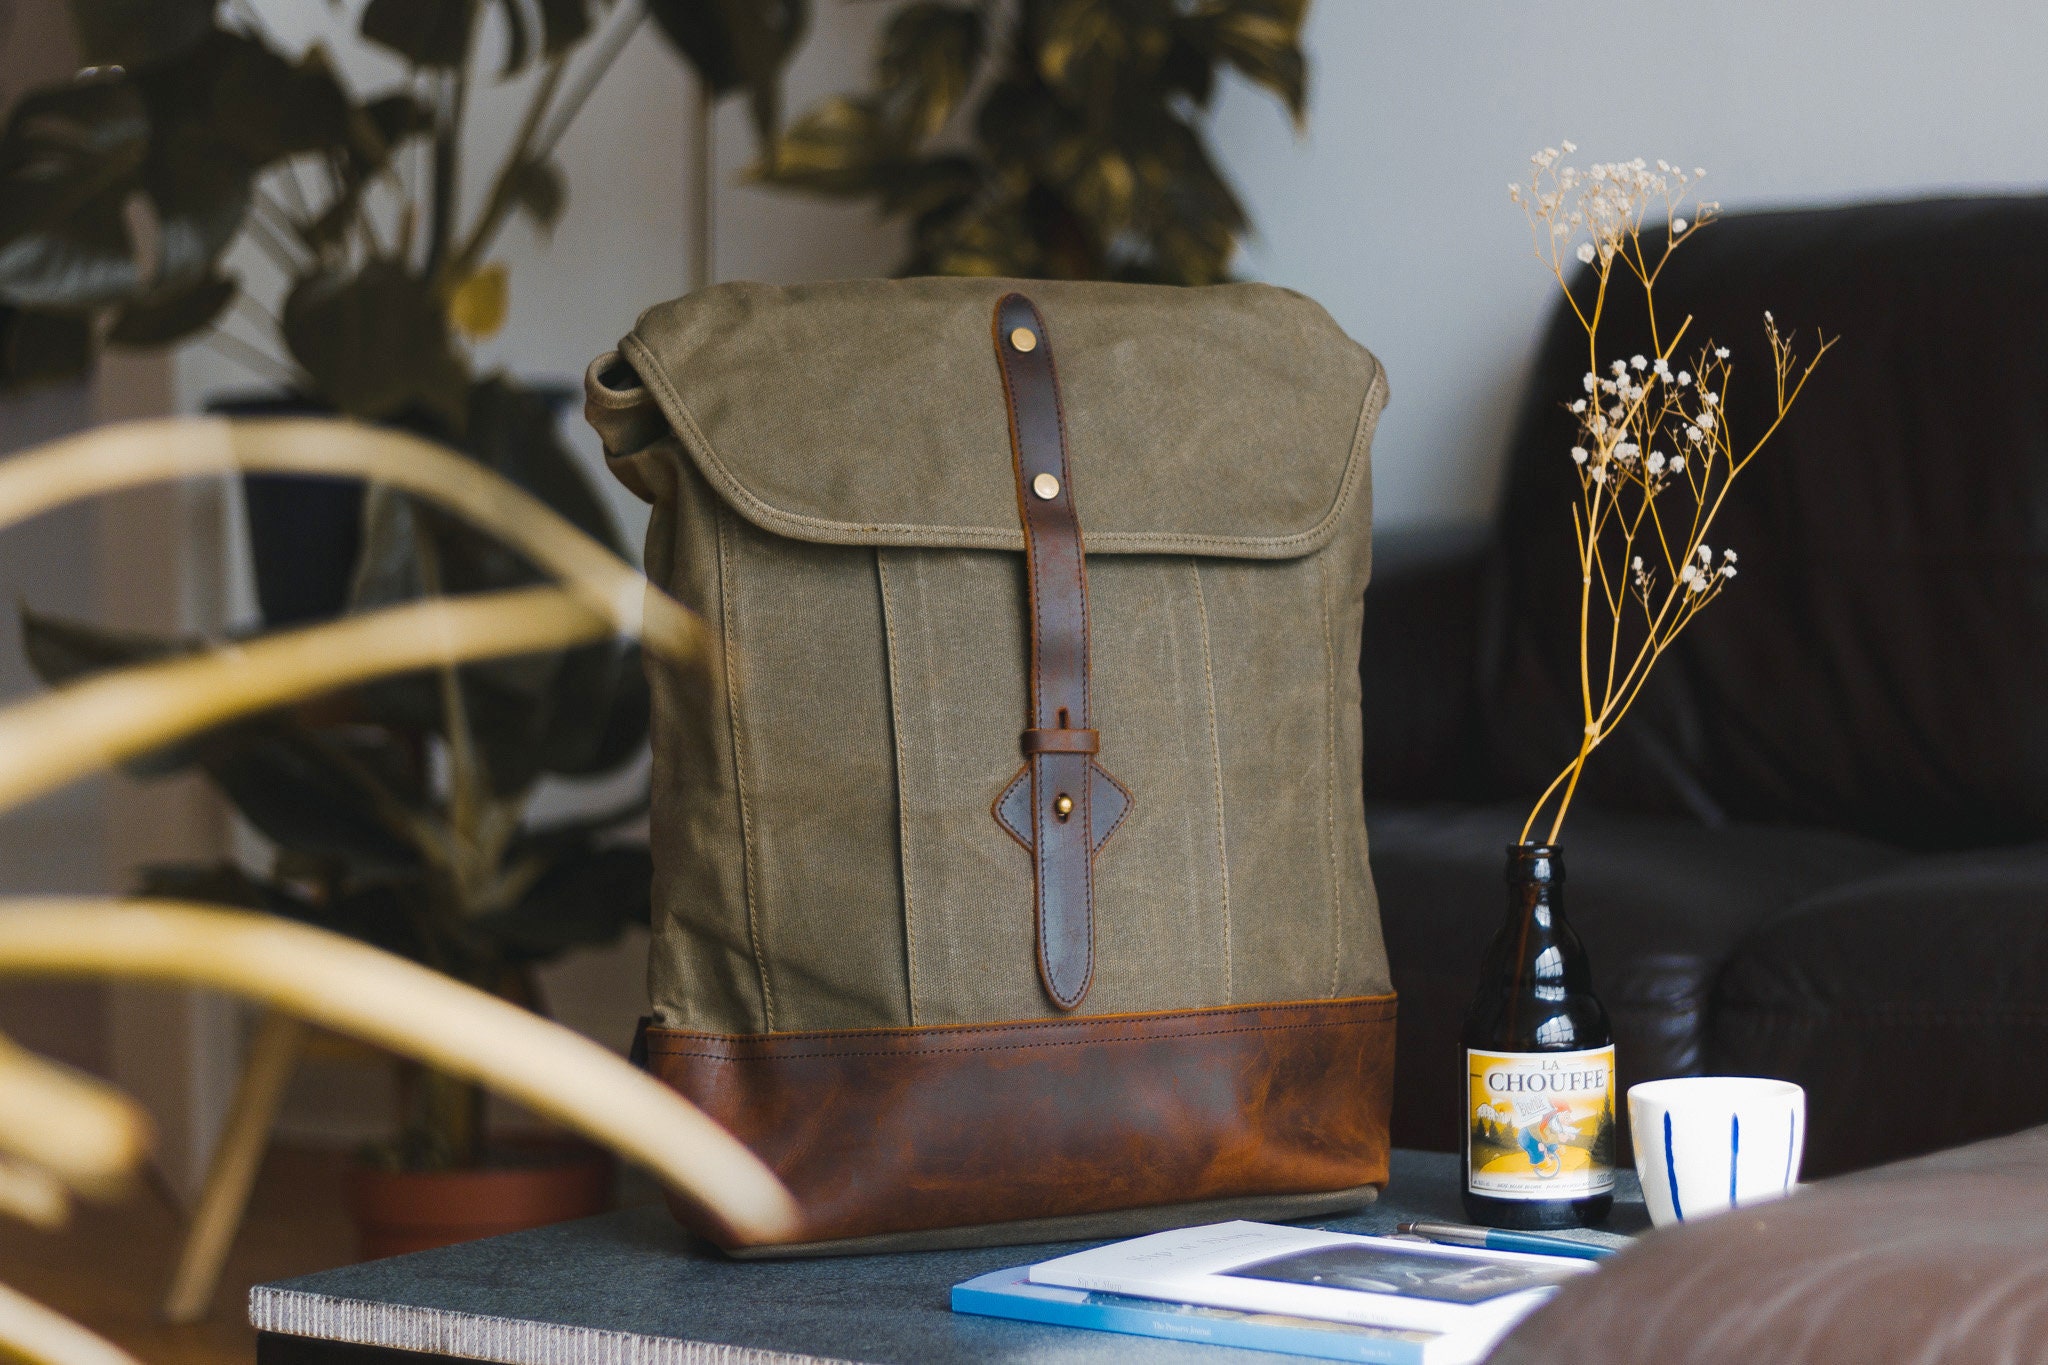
(1024, 339)
(1065, 806)
(1046, 486)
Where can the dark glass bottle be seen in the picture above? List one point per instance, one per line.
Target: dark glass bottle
(1539, 1116)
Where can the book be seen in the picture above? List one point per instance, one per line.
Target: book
(1465, 1293)
(1011, 1294)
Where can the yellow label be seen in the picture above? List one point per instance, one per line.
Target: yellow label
(1541, 1123)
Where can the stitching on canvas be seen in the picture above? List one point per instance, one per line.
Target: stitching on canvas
(791, 1056)
(1330, 779)
(830, 532)
(1367, 1006)
(902, 797)
(1216, 760)
(739, 767)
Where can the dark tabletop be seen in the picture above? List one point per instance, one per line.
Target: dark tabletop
(631, 1287)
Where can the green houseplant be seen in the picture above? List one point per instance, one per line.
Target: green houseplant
(398, 811)
(1050, 138)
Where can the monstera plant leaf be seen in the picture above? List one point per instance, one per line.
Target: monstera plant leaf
(325, 791)
(377, 913)
(164, 316)
(40, 346)
(1261, 38)
(1085, 161)
(376, 343)
(929, 55)
(70, 157)
(186, 135)
(738, 45)
(60, 651)
(586, 896)
(134, 33)
(579, 713)
(431, 34)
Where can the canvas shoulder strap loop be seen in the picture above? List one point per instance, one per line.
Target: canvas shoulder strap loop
(1062, 806)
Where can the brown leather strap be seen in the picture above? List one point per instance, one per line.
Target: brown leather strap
(1059, 742)
(1062, 742)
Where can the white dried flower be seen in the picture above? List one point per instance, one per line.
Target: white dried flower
(1730, 556)
(1585, 253)
(1579, 406)
(1599, 474)
(1712, 400)
(1618, 368)
(1678, 225)
(1592, 381)
(1599, 425)
(1768, 319)
(1684, 378)
(1706, 421)
(1655, 464)
(1637, 564)
(1720, 352)
(1727, 571)
(1636, 362)
(1706, 555)
(1578, 454)
(1695, 435)
(1626, 451)
(1677, 463)
(1569, 145)
(1661, 366)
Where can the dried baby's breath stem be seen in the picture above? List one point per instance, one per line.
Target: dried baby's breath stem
(1655, 459)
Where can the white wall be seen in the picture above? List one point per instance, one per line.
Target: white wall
(1393, 209)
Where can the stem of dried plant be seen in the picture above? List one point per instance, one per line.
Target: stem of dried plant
(1656, 459)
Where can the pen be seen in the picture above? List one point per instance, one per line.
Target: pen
(1458, 1234)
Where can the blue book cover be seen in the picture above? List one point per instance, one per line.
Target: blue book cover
(1010, 1294)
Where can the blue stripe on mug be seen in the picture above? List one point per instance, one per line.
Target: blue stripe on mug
(1671, 1170)
(1734, 1151)
(1791, 1133)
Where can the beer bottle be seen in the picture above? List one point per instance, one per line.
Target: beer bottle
(1539, 1111)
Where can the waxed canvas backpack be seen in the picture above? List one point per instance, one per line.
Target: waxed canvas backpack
(1010, 862)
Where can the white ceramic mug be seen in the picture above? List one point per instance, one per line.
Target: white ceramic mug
(1706, 1144)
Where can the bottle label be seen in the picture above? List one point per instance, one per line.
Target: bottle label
(1541, 1124)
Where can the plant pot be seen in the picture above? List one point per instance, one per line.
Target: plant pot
(527, 1185)
(305, 531)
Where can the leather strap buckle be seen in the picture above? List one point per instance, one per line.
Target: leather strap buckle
(1062, 742)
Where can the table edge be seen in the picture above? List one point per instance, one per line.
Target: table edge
(479, 1336)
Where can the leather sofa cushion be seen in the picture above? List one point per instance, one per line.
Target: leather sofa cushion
(1662, 904)
(1939, 1258)
(1907, 1002)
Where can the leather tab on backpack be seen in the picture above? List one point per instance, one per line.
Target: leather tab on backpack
(1060, 775)
(1062, 742)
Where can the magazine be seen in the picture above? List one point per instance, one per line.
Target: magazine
(1010, 1294)
(1305, 1272)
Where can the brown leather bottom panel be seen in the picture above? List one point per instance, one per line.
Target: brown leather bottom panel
(902, 1130)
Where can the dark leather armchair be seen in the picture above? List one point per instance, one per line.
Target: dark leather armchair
(1818, 848)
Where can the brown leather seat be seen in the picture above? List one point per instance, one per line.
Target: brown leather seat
(1936, 1259)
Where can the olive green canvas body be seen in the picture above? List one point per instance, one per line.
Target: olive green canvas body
(830, 471)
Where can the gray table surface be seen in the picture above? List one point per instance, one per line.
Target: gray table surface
(630, 1288)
